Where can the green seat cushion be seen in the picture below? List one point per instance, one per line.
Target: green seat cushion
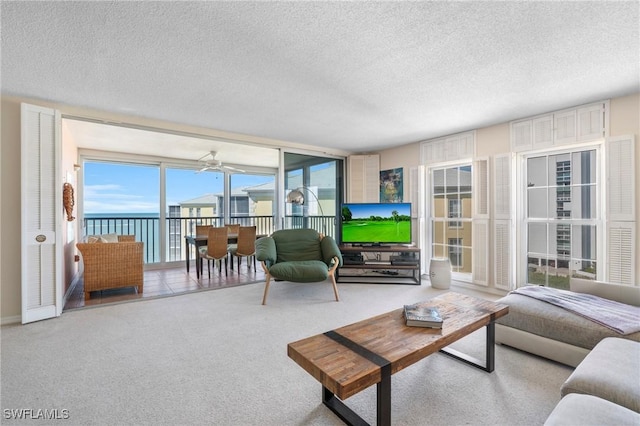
(303, 271)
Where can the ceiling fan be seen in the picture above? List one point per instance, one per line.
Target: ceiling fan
(212, 164)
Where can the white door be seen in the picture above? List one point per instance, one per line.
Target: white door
(41, 214)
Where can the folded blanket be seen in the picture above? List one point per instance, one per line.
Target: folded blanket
(624, 319)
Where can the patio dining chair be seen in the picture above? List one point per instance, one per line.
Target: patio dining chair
(245, 247)
(202, 229)
(233, 227)
(216, 249)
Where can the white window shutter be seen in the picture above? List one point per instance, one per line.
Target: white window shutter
(467, 145)
(565, 126)
(481, 188)
(356, 178)
(454, 147)
(521, 136)
(433, 151)
(620, 154)
(364, 178)
(372, 178)
(542, 131)
(590, 122)
(502, 186)
(502, 254)
(41, 209)
(451, 148)
(621, 253)
(621, 215)
(426, 153)
(480, 260)
(417, 191)
(480, 255)
(502, 224)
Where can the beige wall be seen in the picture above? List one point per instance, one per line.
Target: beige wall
(10, 303)
(70, 229)
(624, 120)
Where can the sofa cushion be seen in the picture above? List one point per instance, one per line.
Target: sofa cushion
(611, 371)
(576, 409)
(305, 271)
(546, 320)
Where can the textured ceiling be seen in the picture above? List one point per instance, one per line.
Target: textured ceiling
(355, 76)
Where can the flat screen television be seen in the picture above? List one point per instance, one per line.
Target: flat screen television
(376, 223)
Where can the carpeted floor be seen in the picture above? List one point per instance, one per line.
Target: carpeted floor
(219, 358)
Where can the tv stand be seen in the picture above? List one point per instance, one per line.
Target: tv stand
(401, 259)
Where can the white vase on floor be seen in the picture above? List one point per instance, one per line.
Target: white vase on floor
(440, 273)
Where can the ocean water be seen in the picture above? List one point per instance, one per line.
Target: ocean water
(145, 227)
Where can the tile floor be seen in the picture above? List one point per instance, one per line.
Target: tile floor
(166, 282)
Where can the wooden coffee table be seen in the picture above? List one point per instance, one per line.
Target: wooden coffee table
(349, 359)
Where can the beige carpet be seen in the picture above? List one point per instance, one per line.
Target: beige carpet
(219, 358)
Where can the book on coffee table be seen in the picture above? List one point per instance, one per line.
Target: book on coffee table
(422, 316)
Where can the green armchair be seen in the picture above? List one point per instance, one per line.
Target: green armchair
(298, 255)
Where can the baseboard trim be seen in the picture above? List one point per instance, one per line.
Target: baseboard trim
(17, 319)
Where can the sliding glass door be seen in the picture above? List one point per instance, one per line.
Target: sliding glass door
(124, 199)
(161, 204)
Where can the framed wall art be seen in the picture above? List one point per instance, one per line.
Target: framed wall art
(391, 185)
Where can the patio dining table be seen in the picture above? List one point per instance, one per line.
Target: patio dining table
(201, 240)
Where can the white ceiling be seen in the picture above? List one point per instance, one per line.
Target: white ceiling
(131, 140)
(354, 76)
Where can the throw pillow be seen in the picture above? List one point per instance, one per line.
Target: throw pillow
(109, 238)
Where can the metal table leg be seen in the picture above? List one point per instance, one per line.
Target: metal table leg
(350, 417)
(489, 364)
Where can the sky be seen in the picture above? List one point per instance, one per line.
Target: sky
(128, 188)
(359, 211)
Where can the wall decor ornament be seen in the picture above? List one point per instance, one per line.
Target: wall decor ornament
(68, 200)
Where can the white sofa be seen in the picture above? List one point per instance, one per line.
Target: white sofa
(604, 389)
(552, 332)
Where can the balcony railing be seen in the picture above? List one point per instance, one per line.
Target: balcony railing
(147, 230)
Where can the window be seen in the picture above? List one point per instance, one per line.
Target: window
(252, 200)
(455, 211)
(127, 198)
(562, 217)
(451, 222)
(455, 253)
(318, 179)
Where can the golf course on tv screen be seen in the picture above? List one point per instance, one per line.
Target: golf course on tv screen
(376, 223)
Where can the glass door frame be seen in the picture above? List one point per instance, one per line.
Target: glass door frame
(340, 183)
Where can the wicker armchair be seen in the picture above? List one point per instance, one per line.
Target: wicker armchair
(112, 265)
